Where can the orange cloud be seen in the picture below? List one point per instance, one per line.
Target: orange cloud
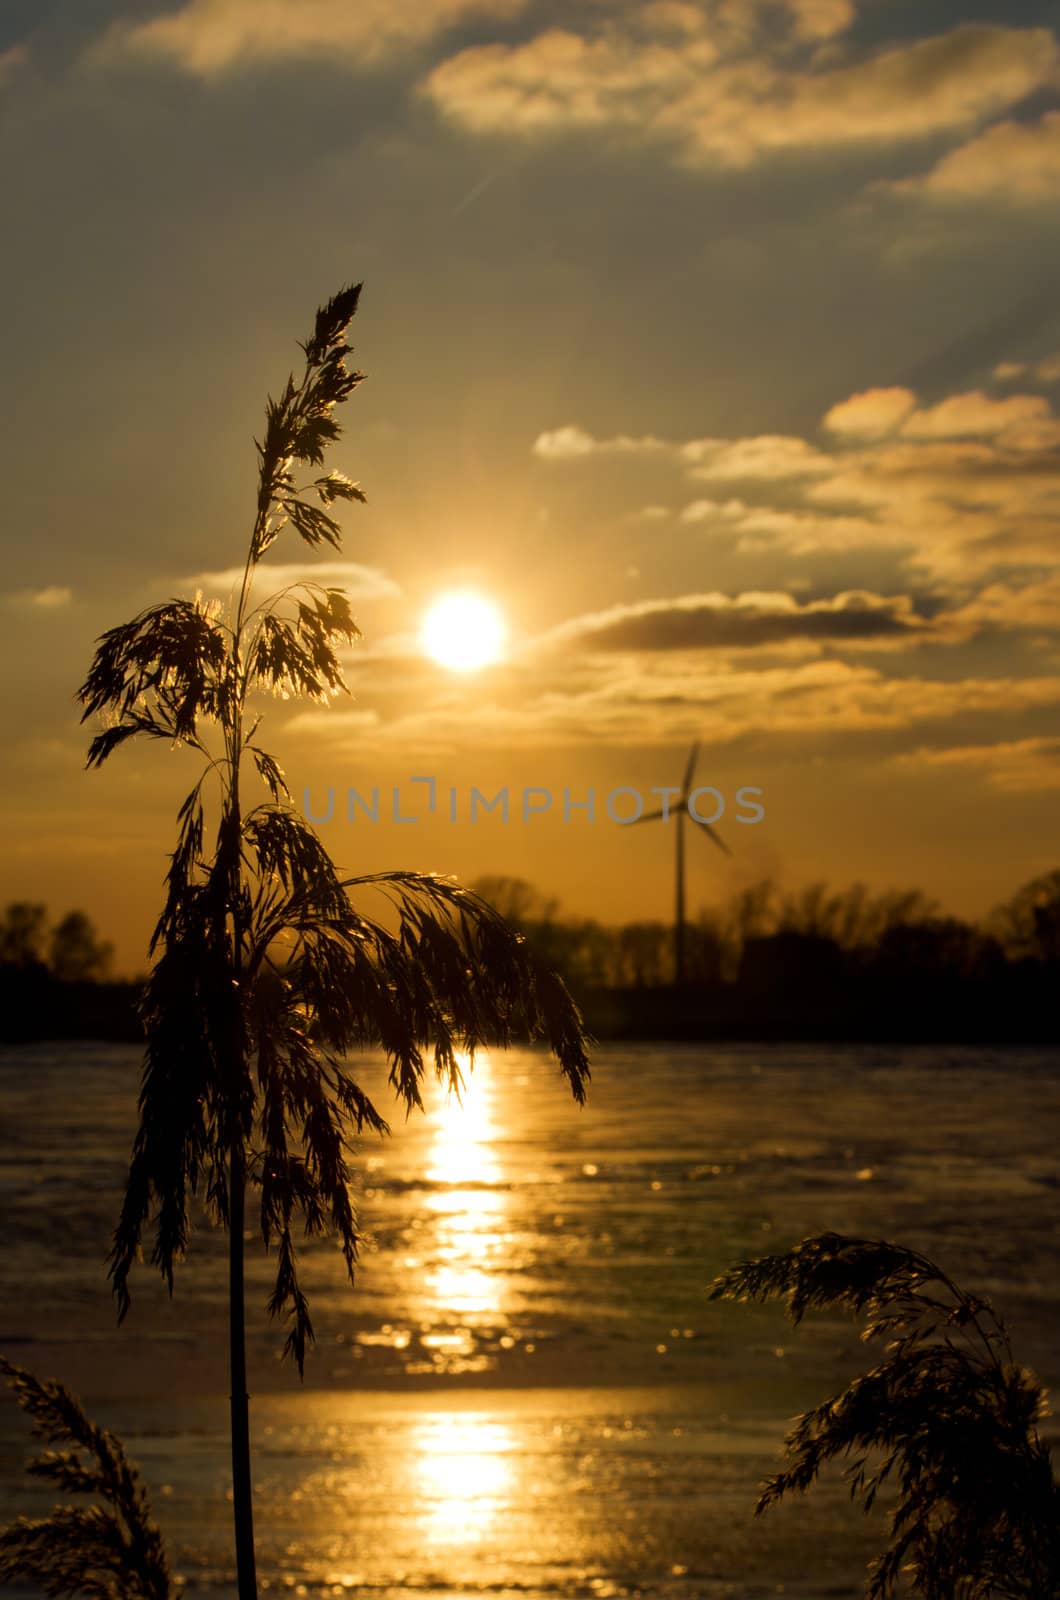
(727, 98)
(11, 59)
(1018, 766)
(209, 37)
(871, 414)
(53, 598)
(572, 443)
(1012, 163)
(659, 698)
(960, 488)
(360, 582)
(766, 456)
(978, 415)
(1009, 608)
(1045, 371)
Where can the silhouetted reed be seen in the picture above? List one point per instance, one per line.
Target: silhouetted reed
(265, 973)
(107, 1551)
(947, 1420)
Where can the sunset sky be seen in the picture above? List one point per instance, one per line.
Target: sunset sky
(717, 345)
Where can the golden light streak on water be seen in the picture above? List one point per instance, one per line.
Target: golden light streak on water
(466, 1225)
(464, 1471)
(464, 1129)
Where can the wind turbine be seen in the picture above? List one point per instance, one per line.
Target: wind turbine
(680, 812)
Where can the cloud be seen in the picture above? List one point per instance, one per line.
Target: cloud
(871, 414)
(11, 59)
(334, 720)
(210, 37)
(960, 508)
(822, 19)
(930, 86)
(727, 96)
(656, 699)
(747, 621)
(764, 457)
(978, 415)
(1019, 766)
(961, 489)
(360, 583)
(1046, 371)
(856, 618)
(710, 510)
(1012, 163)
(736, 23)
(52, 598)
(810, 532)
(572, 443)
(1009, 608)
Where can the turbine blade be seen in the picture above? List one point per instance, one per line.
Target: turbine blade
(691, 767)
(707, 829)
(653, 816)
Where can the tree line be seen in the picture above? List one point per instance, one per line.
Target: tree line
(55, 979)
(902, 926)
(816, 962)
(765, 962)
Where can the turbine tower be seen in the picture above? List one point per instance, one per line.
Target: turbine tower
(680, 812)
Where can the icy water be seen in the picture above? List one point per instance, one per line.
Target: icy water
(528, 1392)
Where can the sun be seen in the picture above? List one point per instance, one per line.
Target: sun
(463, 631)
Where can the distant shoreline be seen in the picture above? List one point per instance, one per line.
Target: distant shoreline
(790, 996)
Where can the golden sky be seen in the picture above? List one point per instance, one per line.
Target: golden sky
(717, 344)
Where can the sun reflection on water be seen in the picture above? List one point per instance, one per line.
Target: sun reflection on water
(465, 1471)
(464, 1130)
(466, 1216)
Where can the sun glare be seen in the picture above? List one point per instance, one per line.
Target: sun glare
(463, 631)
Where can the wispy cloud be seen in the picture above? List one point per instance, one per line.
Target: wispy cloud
(729, 87)
(11, 59)
(210, 37)
(360, 582)
(1013, 421)
(963, 488)
(54, 597)
(1011, 163)
(1017, 766)
(571, 443)
(655, 699)
(764, 456)
(1007, 608)
(1046, 371)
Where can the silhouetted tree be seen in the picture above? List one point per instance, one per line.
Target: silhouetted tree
(266, 972)
(811, 911)
(937, 947)
(749, 914)
(644, 955)
(1028, 925)
(108, 1551)
(947, 1418)
(75, 953)
(22, 934)
(704, 949)
(516, 900)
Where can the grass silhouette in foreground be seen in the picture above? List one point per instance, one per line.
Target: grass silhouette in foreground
(266, 972)
(108, 1551)
(947, 1419)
